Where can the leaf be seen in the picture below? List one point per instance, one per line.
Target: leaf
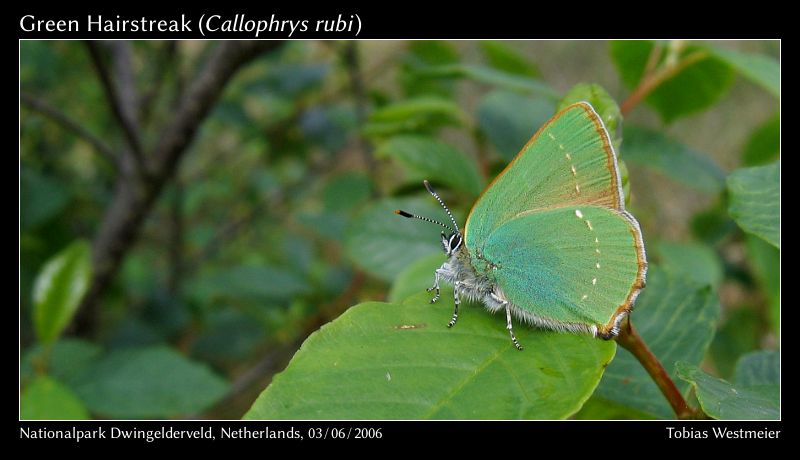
(421, 55)
(41, 198)
(346, 191)
(493, 77)
(680, 163)
(764, 144)
(695, 87)
(755, 201)
(765, 262)
(59, 288)
(148, 382)
(417, 277)
(504, 58)
(605, 106)
(597, 408)
(400, 361)
(419, 114)
(66, 359)
(47, 399)
(424, 157)
(256, 283)
(722, 400)
(763, 70)
(676, 318)
(509, 120)
(758, 368)
(699, 262)
(739, 334)
(383, 243)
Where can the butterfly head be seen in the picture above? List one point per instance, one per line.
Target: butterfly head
(451, 241)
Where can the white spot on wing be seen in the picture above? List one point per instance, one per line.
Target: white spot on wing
(579, 213)
(594, 281)
(551, 136)
(584, 297)
(568, 156)
(574, 173)
(589, 224)
(388, 377)
(597, 265)
(561, 146)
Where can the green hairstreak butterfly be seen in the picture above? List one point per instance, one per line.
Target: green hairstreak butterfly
(549, 241)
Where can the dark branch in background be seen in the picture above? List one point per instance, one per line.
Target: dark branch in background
(163, 63)
(353, 64)
(122, 100)
(135, 194)
(68, 123)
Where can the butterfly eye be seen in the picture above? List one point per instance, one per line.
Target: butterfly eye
(454, 242)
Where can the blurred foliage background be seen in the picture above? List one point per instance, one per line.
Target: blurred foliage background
(191, 211)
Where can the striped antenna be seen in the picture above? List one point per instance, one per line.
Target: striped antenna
(441, 202)
(426, 219)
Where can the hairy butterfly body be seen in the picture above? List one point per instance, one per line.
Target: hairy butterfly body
(549, 241)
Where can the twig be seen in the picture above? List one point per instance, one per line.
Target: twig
(652, 81)
(122, 100)
(68, 123)
(630, 340)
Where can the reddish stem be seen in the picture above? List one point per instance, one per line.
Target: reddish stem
(652, 81)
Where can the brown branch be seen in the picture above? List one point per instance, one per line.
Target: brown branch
(652, 81)
(38, 105)
(134, 195)
(630, 340)
(122, 99)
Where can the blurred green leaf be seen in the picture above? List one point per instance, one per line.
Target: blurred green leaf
(758, 368)
(346, 191)
(41, 198)
(383, 243)
(761, 69)
(503, 57)
(65, 359)
(227, 335)
(148, 382)
(696, 261)
(597, 408)
(738, 334)
(47, 399)
(417, 277)
(421, 55)
(676, 318)
(713, 225)
(493, 77)
(764, 144)
(680, 163)
(420, 114)
(722, 400)
(755, 201)
(424, 157)
(59, 288)
(258, 283)
(605, 106)
(415, 368)
(509, 120)
(765, 261)
(330, 127)
(695, 87)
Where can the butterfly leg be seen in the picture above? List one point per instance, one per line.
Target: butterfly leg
(510, 329)
(435, 286)
(456, 302)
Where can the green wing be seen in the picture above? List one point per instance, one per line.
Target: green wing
(569, 161)
(575, 264)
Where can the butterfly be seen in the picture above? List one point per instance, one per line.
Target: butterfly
(549, 241)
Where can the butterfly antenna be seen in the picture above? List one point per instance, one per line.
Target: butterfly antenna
(426, 219)
(441, 202)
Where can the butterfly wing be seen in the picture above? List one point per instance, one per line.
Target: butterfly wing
(568, 161)
(570, 265)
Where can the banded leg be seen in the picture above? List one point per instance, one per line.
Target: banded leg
(456, 302)
(510, 330)
(435, 287)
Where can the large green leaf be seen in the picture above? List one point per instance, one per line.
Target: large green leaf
(493, 77)
(761, 69)
(755, 395)
(509, 119)
(765, 261)
(755, 201)
(148, 382)
(400, 361)
(59, 288)
(383, 243)
(694, 87)
(764, 144)
(676, 318)
(699, 262)
(503, 57)
(419, 114)
(652, 149)
(424, 157)
(47, 399)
